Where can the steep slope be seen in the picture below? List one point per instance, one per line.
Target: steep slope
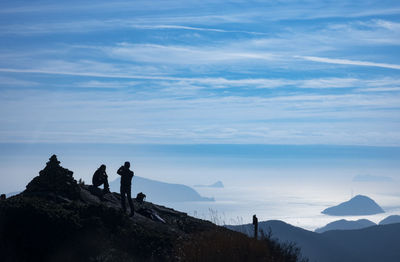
(357, 206)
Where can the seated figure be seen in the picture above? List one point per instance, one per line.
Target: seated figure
(100, 178)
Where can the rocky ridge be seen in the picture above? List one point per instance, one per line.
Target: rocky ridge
(58, 219)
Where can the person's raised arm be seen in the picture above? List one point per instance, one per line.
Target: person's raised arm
(120, 170)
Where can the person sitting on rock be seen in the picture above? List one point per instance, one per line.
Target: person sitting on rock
(100, 178)
(126, 182)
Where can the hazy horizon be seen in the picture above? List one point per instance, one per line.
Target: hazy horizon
(280, 100)
(287, 182)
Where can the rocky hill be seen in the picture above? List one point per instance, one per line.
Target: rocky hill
(58, 219)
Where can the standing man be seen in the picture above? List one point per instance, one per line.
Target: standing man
(126, 182)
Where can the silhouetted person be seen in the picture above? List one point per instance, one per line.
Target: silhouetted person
(140, 197)
(3, 197)
(255, 223)
(126, 182)
(100, 178)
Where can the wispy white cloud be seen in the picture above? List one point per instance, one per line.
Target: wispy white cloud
(207, 74)
(181, 22)
(104, 84)
(14, 82)
(195, 83)
(348, 62)
(294, 118)
(196, 29)
(390, 25)
(85, 71)
(380, 89)
(363, 32)
(172, 54)
(271, 10)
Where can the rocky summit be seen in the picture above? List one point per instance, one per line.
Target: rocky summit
(58, 219)
(54, 181)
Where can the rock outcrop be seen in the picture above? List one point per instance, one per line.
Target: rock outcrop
(54, 181)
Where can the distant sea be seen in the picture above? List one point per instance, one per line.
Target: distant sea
(293, 183)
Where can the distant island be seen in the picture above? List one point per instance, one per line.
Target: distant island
(157, 191)
(217, 184)
(357, 206)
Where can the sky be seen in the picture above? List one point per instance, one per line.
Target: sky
(200, 72)
(296, 103)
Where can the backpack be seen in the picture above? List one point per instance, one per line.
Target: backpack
(140, 197)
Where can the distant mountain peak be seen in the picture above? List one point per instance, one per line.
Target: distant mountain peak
(217, 184)
(357, 206)
(344, 224)
(393, 219)
(360, 197)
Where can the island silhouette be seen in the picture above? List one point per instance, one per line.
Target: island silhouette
(357, 206)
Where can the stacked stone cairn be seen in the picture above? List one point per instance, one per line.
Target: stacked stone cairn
(54, 180)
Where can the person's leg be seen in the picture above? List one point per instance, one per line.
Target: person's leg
(97, 182)
(106, 185)
(123, 200)
(128, 193)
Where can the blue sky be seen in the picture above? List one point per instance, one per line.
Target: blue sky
(192, 72)
(157, 82)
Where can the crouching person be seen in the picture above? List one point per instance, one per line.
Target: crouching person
(100, 178)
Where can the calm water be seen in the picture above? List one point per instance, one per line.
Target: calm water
(236, 205)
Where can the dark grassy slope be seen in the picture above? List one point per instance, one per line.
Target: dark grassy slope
(56, 219)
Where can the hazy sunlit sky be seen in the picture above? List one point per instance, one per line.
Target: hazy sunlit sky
(198, 91)
(263, 72)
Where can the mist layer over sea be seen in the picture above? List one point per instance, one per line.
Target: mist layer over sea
(293, 183)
